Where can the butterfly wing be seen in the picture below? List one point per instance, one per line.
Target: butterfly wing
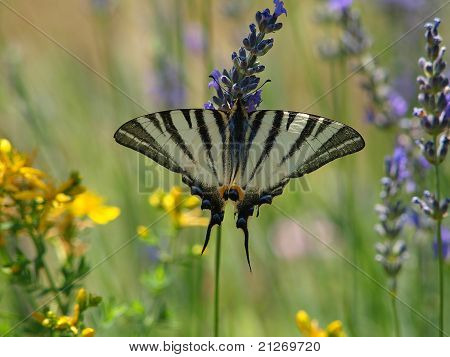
(191, 142)
(181, 141)
(283, 145)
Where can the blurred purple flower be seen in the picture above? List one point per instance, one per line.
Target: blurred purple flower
(279, 8)
(423, 163)
(167, 86)
(339, 5)
(194, 38)
(445, 232)
(398, 104)
(153, 253)
(208, 105)
(397, 165)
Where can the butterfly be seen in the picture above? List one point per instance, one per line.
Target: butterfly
(246, 158)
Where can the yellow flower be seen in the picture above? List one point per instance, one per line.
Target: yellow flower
(311, 328)
(181, 208)
(82, 298)
(5, 146)
(142, 231)
(155, 198)
(88, 332)
(76, 315)
(192, 202)
(62, 198)
(63, 322)
(91, 205)
(27, 195)
(335, 329)
(192, 219)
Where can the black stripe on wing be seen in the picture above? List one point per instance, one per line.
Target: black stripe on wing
(134, 136)
(344, 141)
(175, 135)
(255, 125)
(302, 138)
(203, 131)
(221, 125)
(268, 144)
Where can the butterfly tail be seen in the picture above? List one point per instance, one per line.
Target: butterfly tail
(246, 246)
(208, 235)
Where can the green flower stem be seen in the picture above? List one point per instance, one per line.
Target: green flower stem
(397, 331)
(53, 286)
(36, 240)
(439, 246)
(217, 283)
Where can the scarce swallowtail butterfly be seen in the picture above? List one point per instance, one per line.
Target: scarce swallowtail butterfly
(237, 156)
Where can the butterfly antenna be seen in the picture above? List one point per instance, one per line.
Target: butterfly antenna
(257, 89)
(262, 85)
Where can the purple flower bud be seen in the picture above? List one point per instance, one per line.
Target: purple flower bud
(254, 101)
(279, 8)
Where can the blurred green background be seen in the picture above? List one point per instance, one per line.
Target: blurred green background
(73, 71)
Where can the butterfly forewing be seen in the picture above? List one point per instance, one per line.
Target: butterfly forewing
(283, 145)
(188, 141)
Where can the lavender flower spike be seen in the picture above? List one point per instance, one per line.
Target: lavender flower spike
(241, 81)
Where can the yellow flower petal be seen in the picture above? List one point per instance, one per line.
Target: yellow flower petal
(155, 198)
(82, 297)
(27, 195)
(5, 146)
(63, 322)
(192, 202)
(142, 231)
(104, 214)
(62, 198)
(303, 322)
(88, 332)
(192, 219)
(90, 204)
(85, 202)
(31, 171)
(335, 329)
(168, 202)
(176, 191)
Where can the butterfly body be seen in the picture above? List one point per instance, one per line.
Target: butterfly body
(246, 158)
